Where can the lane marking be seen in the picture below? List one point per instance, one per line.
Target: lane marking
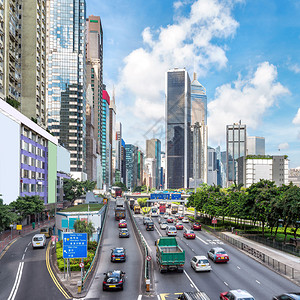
(257, 281)
(225, 283)
(7, 247)
(65, 294)
(139, 297)
(26, 249)
(158, 297)
(189, 278)
(14, 290)
(201, 240)
(238, 267)
(157, 230)
(23, 256)
(29, 244)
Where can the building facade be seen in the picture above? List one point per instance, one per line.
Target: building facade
(123, 163)
(178, 128)
(200, 130)
(212, 167)
(33, 60)
(251, 169)
(255, 145)
(112, 138)
(153, 150)
(66, 78)
(236, 145)
(130, 166)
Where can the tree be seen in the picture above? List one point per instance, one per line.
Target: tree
(121, 185)
(82, 226)
(7, 217)
(73, 188)
(142, 202)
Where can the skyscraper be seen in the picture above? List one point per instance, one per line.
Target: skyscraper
(33, 60)
(153, 150)
(112, 137)
(199, 123)
(255, 145)
(130, 165)
(178, 128)
(66, 78)
(236, 145)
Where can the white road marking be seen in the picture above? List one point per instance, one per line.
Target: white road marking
(158, 297)
(26, 249)
(191, 285)
(139, 297)
(189, 278)
(225, 283)
(257, 281)
(29, 244)
(17, 282)
(238, 267)
(23, 256)
(157, 230)
(201, 240)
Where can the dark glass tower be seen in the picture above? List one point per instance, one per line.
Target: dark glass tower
(178, 129)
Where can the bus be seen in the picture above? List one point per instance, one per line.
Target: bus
(116, 191)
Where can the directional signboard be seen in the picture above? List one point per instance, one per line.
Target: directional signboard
(74, 245)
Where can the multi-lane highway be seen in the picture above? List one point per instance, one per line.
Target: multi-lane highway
(240, 272)
(132, 267)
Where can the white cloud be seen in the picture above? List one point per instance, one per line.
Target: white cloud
(296, 120)
(177, 4)
(295, 68)
(190, 41)
(246, 99)
(283, 146)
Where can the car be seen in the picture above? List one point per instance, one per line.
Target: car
(189, 234)
(124, 233)
(185, 220)
(200, 263)
(150, 225)
(218, 255)
(146, 219)
(180, 217)
(193, 296)
(166, 216)
(114, 280)
(236, 295)
(179, 226)
(163, 225)
(288, 296)
(196, 226)
(47, 231)
(118, 254)
(160, 219)
(38, 241)
(177, 215)
(170, 220)
(171, 231)
(122, 224)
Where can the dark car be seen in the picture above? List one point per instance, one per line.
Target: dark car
(196, 226)
(114, 280)
(118, 254)
(288, 296)
(193, 296)
(124, 233)
(146, 219)
(150, 225)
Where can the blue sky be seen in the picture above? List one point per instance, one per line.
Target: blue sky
(246, 54)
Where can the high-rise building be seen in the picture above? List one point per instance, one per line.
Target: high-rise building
(199, 124)
(66, 78)
(118, 152)
(10, 51)
(130, 165)
(33, 59)
(123, 162)
(94, 69)
(112, 137)
(178, 128)
(153, 150)
(236, 145)
(140, 167)
(255, 145)
(212, 167)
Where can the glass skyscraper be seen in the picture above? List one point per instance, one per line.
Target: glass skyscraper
(66, 78)
(178, 128)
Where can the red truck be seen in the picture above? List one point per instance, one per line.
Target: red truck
(162, 208)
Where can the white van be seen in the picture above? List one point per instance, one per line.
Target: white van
(39, 241)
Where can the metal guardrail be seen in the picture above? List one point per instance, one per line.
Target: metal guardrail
(269, 261)
(143, 246)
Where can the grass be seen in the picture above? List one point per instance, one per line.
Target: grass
(83, 207)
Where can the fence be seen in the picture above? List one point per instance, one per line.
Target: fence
(143, 246)
(269, 261)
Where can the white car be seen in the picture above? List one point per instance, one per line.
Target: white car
(38, 241)
(200, 263)
(185, 220)
(171, 230)
(166, 216)
(163, 225)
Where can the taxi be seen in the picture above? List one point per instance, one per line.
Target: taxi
(122, 224)
(218, 255)
(170, 220)
(196, 226)
(180, 217)
(189, 234)
(179, 226)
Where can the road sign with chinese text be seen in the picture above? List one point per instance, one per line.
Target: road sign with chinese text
(74, 245)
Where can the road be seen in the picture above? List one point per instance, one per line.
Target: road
(241, 272)
(24, 274)
(132, 267)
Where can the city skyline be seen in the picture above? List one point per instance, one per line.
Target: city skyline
(255, 84)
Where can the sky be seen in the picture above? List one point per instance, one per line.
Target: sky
(245, 53)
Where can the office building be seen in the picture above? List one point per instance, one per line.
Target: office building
(10, 51)
(270, 167)
(66, 78)
(236, 145)
(212, 167)
(153, 150)
(123, 162)
(178, 128)
(112, 138)
(33, 59)
(255, 145)
(130, 166)
(199, 126)
(150, 172)
(140, 167)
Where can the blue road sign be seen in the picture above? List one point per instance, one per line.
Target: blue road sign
(74, 245)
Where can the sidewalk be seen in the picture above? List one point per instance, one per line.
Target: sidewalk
(284, 263)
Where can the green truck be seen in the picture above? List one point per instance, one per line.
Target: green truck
(169, 256)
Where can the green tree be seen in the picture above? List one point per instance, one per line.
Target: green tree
(121, 185)
(81, 226)
(142, 202)
(7, 216)
(73, 188)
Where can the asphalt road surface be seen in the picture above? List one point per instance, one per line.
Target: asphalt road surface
(24, 275)
(132, 267)
(241, 272)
